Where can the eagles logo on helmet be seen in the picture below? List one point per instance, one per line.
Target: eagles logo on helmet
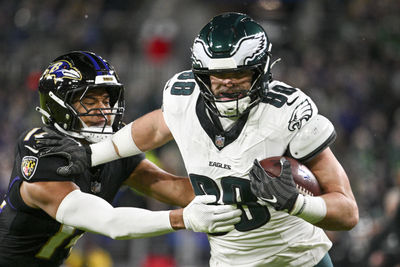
(70, 77)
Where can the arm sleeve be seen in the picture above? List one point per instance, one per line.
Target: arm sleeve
(94, 214)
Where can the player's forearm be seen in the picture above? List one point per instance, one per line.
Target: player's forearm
(342, 210)
(119, 146)
(91, 213)
(173, 197)
(150, 131)
(177, 192)
(145, 133)
(331, 211)
(341, 214)
(161, 185)
(176, 219)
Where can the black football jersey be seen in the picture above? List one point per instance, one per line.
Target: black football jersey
(30, 237)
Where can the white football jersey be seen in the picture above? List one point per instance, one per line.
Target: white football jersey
(218, 163)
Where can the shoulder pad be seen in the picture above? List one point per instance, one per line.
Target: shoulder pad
(182, 83)
(312, 138)
(31, 135)
(30, 166)
(27, 140)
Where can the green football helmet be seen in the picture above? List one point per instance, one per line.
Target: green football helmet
(232, 42)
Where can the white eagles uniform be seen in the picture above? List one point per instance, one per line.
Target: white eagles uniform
(219, 165)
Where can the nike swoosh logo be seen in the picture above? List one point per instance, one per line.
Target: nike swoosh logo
(32, 149)
(291, 103)
(270, 200)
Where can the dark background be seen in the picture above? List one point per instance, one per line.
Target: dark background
(344, 54)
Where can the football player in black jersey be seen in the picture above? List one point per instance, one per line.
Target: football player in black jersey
(43, 213)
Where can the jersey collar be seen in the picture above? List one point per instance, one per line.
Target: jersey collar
(212, 126)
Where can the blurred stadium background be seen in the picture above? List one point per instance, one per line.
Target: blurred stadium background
(344, 53)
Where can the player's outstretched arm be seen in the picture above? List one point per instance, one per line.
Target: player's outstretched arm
(68, 205)
(154, 182)
(147, 132)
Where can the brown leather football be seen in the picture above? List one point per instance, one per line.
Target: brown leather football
(304, 179)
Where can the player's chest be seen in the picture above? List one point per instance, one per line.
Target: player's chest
(100, 182)
(202, 156)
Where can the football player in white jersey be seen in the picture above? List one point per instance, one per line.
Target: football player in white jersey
(226, 114)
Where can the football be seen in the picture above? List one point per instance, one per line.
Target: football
(304, 179)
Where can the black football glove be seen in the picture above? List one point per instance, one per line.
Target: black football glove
(56, 144)
(280, 192)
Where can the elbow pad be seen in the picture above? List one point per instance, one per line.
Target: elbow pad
(312, 138)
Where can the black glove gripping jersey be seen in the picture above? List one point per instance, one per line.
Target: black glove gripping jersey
(30, 237)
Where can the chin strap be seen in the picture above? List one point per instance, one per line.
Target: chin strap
(44, 113)
(276, 61)
(94, 137)
(69, 133)
(233, 108)
(90, 134)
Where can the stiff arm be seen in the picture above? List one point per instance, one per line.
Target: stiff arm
(68, 205)
(147, 132)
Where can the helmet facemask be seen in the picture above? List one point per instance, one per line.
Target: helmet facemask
(230, 105)
(104, 130)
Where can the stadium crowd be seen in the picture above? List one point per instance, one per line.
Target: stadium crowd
(345, 54)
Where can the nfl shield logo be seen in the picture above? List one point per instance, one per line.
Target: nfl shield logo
(28, 166)
(219, 141)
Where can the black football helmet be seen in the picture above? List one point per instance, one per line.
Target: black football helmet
(69, 78)
(232, 42)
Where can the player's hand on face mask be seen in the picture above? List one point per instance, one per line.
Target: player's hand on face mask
(280, 192)
(200, 217)
(56, 144)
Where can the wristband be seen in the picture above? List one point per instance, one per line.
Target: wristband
(123, 140)
(310, 209)
(103, 152)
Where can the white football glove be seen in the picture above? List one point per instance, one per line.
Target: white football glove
(200, 217)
